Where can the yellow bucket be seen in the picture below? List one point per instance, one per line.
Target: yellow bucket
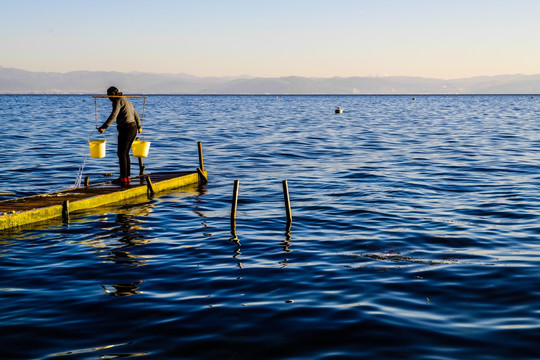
(97, 148)
(140, 148)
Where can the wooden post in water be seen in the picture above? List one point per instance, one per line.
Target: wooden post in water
(65, 211)
(287, 203)
(87, 181)
(202, 177)
(200, 169)
(201, 163)
(287, 199)
(233, 208)
(150, 187)
(141, 167)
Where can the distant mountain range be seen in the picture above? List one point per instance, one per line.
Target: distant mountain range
(16, 81)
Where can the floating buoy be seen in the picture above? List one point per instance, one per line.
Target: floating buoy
(338, 110)
(414, 98)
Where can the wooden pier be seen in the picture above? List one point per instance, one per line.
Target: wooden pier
(31, 209)
(27, 210)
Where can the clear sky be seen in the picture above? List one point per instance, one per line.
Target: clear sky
(320, 38)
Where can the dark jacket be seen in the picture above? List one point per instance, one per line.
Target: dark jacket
(123, 112)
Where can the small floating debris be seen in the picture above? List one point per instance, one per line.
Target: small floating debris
(338, 110)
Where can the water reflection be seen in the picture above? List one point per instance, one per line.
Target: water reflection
(4, 244)
(98, 349)
(129, 228)
(125, 258)
(127, 236)
(127, 289)
(127, 232)
(287, 242)
(235, 239)
(237, 251)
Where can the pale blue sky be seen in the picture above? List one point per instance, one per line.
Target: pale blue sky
(430, 38)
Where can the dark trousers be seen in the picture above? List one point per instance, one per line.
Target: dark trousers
(126, 136)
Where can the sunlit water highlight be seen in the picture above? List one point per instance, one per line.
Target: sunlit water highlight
(415, 231)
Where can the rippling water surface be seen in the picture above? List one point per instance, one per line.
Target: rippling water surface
(414, 236)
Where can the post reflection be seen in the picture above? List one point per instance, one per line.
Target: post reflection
(236, 240)
(127, 289)
(128, 234)
(128, 229)
(286, 243)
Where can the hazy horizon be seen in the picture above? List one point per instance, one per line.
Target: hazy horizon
(253, 76)
(21, 81)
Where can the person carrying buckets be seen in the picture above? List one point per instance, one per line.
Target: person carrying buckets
(128, 124)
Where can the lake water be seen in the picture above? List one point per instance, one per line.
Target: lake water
(415, 231)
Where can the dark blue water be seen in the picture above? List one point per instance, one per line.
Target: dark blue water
(414, 236)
